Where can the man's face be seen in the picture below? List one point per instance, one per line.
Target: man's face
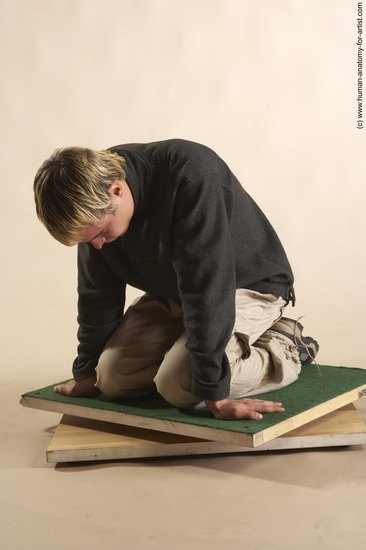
(113, 225)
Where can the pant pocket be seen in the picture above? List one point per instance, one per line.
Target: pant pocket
(238, 347)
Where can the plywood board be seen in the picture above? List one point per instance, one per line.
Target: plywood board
(79, 439)
(318, 391)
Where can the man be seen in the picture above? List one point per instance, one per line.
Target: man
(170, 218)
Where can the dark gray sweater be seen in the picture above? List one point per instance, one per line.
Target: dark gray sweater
(195, 234)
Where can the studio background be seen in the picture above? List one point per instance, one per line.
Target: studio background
(271, 86)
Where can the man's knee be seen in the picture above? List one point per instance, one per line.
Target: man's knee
(173, 392)
(166, 386)
(109, 382)
(121, 387)
(120, 380)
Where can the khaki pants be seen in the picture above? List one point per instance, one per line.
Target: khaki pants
(147, 351)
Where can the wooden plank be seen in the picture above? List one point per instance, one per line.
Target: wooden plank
(79, 439)
(198, 431)
(307, 416)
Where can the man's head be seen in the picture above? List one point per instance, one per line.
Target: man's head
(78, 188)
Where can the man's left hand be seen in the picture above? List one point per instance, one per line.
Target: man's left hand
(234, 409)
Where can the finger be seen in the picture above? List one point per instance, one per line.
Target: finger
(63, 389)
(267, 407)
(254, 415)
(264, 406)
(256, 402)
(249, 415)
(239, 415)
(246, 413)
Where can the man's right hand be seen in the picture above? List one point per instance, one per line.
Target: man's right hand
(80, 388)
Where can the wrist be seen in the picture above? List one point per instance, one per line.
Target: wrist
(215, 406)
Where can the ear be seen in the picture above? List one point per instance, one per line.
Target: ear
(116, 188)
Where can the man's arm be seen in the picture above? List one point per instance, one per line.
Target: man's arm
(205, 266)
(100, 308)
(203, 259)
(101, 299)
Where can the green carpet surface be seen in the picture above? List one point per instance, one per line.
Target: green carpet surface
(316, 385)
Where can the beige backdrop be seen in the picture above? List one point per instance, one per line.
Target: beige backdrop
(270, 85)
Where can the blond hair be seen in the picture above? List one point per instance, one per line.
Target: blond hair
(71, 190)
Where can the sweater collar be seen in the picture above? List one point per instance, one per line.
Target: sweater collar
(138, 174)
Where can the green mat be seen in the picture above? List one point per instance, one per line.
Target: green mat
(316, 385)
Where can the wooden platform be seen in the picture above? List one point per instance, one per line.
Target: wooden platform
(81, 439)
(241, 433)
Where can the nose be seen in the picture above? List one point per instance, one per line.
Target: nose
(98, 242)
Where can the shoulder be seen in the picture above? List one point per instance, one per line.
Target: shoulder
(193, 159)
(179, 158)
(184, 147)
(175, 149)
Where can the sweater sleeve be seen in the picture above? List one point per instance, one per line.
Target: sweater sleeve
(101, 300)
(204, 262)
